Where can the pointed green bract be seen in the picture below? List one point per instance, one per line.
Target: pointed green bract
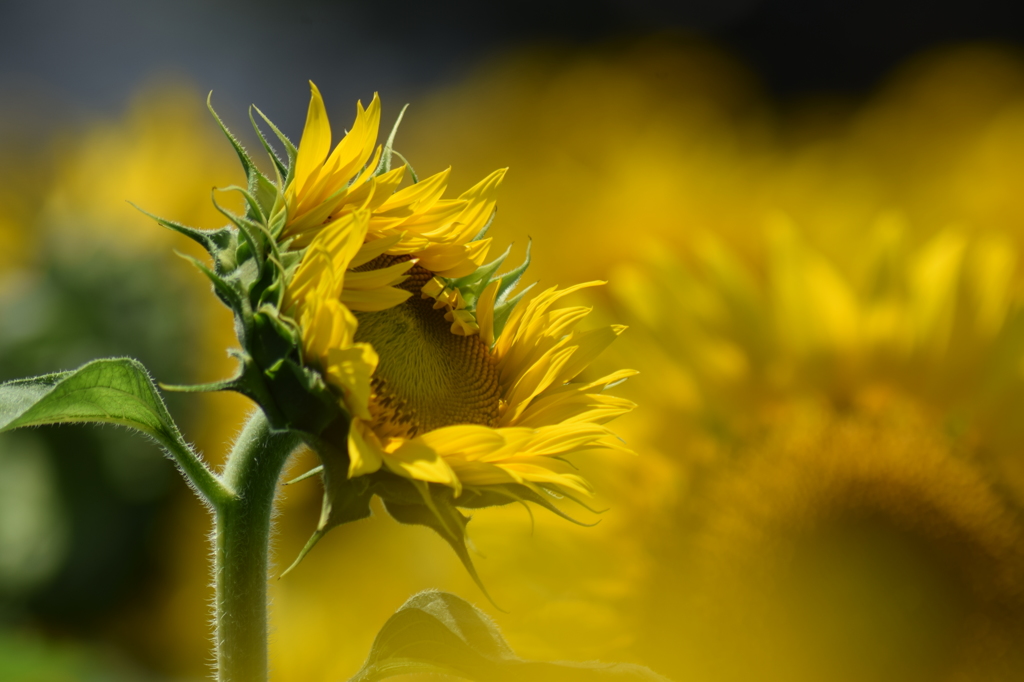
(218, 243)
(502, 494)
(439, 633)
(511, 278)
(472, 286)
(412, 171)
(487, 226)
(290, 148)
(504, 309)
(436, 510)
(279, 165)
(385, 158)
(243, 156)
(249, 275)
(345, 499)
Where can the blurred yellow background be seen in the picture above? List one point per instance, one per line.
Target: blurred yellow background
(824, 301)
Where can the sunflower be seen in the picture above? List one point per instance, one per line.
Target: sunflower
(446, 378)
(845, 545)
(851, 511)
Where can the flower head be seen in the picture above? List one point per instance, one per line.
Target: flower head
(370, 323)
(446, 380)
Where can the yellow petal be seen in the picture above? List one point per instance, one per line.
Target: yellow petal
(349, 369)
(375, 279)
(314, 145)
(485, 312)
(373, 248)
(415, 460)
(374, 299)
(364, 451)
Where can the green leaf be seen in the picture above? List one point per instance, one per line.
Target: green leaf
(112, 391)
(439, 633)
(117, 391)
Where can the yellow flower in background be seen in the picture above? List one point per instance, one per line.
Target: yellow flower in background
(439, 392)
(939, 321)
(842, 544)
(676, 137)
(847, 442)
(888, 266)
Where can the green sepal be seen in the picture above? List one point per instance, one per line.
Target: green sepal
(290, 261)
(252, 233)
(273, 339)
(510, 279)
(290, 148)
(473, 284)
(232, 384)
(272, 295)
(304, 401)
(282, 169)
(487, 226)
(250, 381)
(500, 495)
(254, 211)
(265, 192)
(438, 633)
(412, 171)
(315, 471)
(384, 165)
(436, 510)
(505, 308)
(221, 286)
(261, 191)
(243, 156)
(218, 243)
(345, 499)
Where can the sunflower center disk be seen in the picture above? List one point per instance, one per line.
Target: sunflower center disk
(427, 377)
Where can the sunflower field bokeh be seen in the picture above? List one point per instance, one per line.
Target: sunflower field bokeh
(824, 304)
(87, 275)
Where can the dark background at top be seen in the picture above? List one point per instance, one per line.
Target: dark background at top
(63, 60)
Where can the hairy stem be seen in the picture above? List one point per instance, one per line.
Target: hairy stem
(242, 548)
(209, 487)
